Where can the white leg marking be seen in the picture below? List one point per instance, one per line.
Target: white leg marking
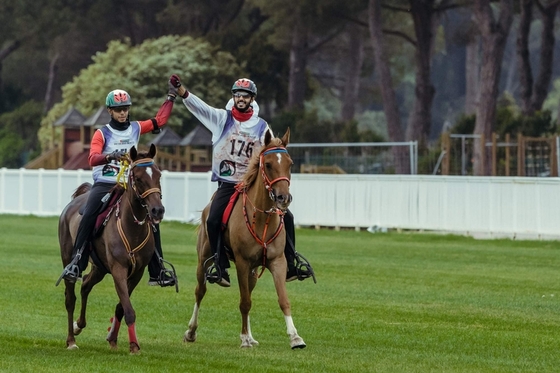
(190, 334)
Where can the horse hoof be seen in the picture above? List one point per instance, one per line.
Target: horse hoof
(134, 348)
(297, 342)
(113, 345)
(72, 346)
(248, 341)
(189, 337)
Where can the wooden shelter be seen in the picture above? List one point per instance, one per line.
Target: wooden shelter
(198, 149)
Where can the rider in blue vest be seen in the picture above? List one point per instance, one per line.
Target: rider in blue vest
(109, 144)
(237, 133)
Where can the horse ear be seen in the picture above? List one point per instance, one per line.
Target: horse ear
(153, 151)
(267, 137)
(286, 137)
(133, 153)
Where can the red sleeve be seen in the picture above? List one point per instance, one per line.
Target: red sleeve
(160, 119)
(96, 157)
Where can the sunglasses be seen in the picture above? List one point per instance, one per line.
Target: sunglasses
(121, 109)
(241, 94)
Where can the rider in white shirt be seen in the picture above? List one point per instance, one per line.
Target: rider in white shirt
(237, 133)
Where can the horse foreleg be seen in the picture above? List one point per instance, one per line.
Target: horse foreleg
(247, 283)
(279, 276)
(200, 291)
(70, 303)
(123, 291)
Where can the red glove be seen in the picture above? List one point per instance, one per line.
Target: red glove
(175, 81)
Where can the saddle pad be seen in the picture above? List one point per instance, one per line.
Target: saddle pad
(105, 210)
(229, 208)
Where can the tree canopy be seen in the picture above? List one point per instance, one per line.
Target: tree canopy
(143, 71)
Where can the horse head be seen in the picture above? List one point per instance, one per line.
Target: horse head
(144, 180)
(275, 165)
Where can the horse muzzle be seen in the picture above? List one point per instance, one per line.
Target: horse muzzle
(156, 214)
(282, 201)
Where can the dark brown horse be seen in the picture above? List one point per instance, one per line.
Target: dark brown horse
(124, 247)
(256, 236)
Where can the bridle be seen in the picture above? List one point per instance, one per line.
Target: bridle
(144, 162)
(266, 181)
(272, 211)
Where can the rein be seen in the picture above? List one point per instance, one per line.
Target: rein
(272, 211)
(144, 162)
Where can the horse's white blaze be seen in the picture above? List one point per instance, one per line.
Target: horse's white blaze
(150, 172)
(279, 156)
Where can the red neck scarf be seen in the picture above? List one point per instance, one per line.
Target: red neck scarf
(242, 117)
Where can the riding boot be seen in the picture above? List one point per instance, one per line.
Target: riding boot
(217, 271)
(298, 267)
(80, 253)
(159, 274)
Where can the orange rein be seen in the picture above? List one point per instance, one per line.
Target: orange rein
(268, 186)
(144, 162)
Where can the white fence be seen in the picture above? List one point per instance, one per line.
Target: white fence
(479, 206)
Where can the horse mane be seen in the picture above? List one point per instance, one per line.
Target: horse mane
(251, 175)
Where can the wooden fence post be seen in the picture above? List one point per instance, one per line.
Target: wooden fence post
(494, 153)
(520, 155)
(507, 154)
(446, 148)
(553, 160)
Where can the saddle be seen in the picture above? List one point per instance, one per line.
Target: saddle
(109, 201)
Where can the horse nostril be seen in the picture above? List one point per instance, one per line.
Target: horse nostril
(289, 198)
(158, 211)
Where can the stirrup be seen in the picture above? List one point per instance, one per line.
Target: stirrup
(214, 272)
(170, 273)
(303, 268)
(71, 272)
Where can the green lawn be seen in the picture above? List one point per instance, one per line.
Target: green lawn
(391, 302)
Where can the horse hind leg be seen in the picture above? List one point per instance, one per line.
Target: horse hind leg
(89, 281)
(203, 250)
(115, 327)
(70, 303)
(200, 291)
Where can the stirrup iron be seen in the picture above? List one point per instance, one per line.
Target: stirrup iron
(303, 266)
(71, 269)
(163, 272)
(213, 273)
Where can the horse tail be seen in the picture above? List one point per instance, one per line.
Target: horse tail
(84, 188)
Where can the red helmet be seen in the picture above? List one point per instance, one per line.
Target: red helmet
(246, 85)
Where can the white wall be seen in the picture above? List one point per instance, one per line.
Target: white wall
(479, 206)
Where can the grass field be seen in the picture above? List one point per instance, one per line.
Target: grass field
(383, 303)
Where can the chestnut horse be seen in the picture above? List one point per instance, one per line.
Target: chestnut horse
(255, 236)
(124, 247)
